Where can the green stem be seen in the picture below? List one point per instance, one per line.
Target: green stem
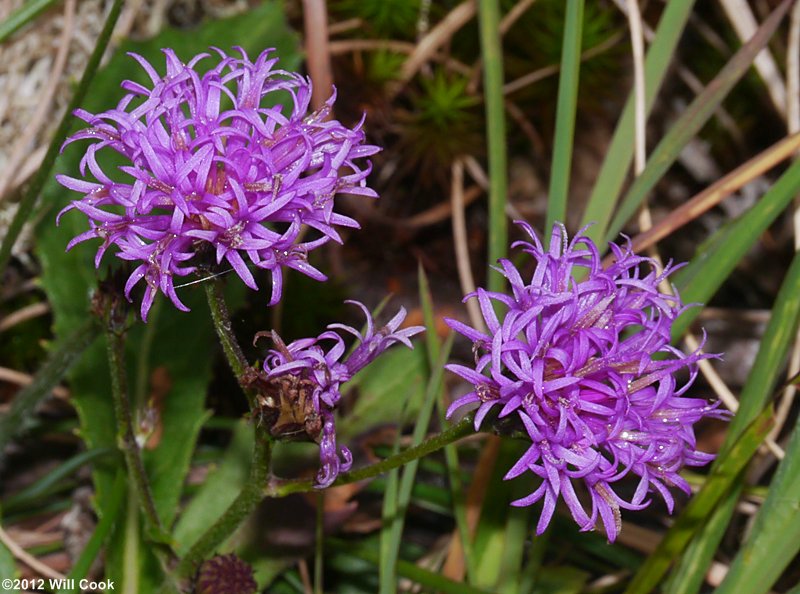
(492, 53)
(222, 324)
(126, 436)
(282, 488)
(43, 174)
(241, 508)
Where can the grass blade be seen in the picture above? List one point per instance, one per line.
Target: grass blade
(701, 505)
(55, 367)
(715, 261)
(757, 391)
(688, 575)
(693, 119)
(492, 54)
(390, 540)
(22, 16)
(566, 107)
(775, 538)
(620, 153)
(433, 345)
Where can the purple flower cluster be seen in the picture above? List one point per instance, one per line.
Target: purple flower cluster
(310, 378)
(210, 161)
(586, 370)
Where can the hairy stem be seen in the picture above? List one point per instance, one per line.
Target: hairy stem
(222, 325)
(282, 488)
(125, 433)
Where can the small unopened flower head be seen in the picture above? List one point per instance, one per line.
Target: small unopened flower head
(212, 158)
(585, 370)
(312, 371)
(225, 574)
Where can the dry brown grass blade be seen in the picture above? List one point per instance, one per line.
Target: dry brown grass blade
(718, 191)
(318, 59)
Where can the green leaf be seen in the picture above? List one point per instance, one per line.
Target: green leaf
(692, 120)
(382, 389)
(220, 489)
(620, 153)
(566, 107)
(8, 567)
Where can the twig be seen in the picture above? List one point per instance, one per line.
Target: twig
(28, 559)
(346, 46)
(34, 310)
(460, 243)
(514, 14)
(438, 36)
(315, 22)
(546, 71)
(23, 379)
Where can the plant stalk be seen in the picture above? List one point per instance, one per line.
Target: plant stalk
(282, 488)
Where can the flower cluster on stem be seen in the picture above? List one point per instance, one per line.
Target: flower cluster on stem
(212, 160)
(303, 380)
(585, 368)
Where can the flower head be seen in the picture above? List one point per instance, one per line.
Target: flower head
(210, 161)
(586, 370)
(302, 384)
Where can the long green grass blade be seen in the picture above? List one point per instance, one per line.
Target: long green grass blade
(688, 575)
(391, 539)
(775, 538)
(615, 167)
(701, 506)
(492, 54)
(55, 367)
(22, 16)
(716, 260)
(48, 482)
(433, 345)
(693, 119)
(565, 114)
(43, 174)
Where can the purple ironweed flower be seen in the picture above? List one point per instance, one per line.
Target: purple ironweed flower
(211, 161)
(303, 380)
(585, 368)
